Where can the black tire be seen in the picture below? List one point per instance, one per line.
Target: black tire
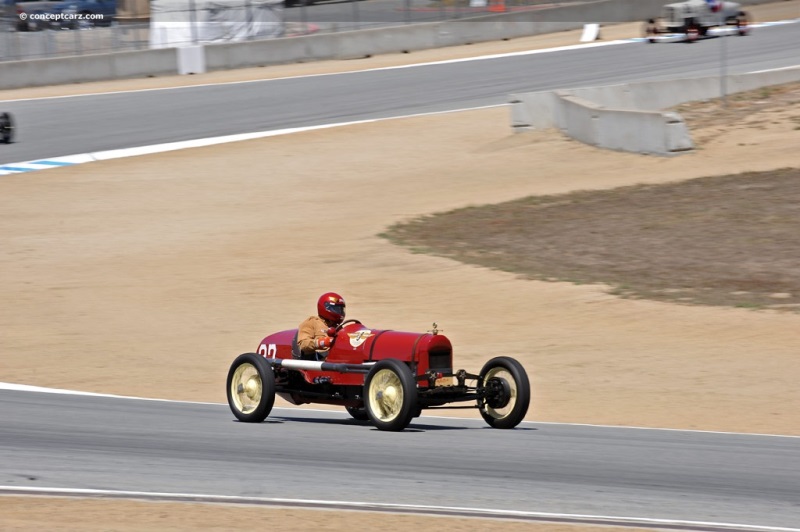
(357, 413)
(251, 388)
(390, 395)
(743, 23)
(6, 128)
(507, 393)
(649, 29)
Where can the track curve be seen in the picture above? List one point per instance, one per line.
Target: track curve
(47, 127)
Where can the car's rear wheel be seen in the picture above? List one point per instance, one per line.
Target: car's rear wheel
(742, 23)
(358, 413)
(505, 393)
(251, 388)
(650, 29)
(390, 395)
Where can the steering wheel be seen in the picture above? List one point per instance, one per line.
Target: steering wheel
(345, 322)
(339, 328)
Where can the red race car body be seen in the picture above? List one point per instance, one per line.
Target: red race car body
(356, 344)
(384, 376)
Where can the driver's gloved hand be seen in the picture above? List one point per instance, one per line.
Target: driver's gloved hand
(323, 343)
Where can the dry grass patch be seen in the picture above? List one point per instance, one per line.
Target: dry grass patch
(730, 240)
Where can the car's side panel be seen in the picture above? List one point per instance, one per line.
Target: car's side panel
(277, 345)
(357, 344)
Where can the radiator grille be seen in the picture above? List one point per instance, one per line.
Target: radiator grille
(440, 360)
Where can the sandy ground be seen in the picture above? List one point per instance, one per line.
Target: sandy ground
(146, 276)
(19, 513)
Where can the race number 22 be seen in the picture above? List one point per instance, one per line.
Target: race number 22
(268, 351)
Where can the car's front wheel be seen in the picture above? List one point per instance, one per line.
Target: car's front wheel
(390, 395)
(505, 393)
(251, 388)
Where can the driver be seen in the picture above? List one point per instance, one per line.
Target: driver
(316, 333)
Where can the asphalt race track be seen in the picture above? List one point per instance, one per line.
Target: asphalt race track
(55, 127)
(107, 443)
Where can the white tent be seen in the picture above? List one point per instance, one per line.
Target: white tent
(186, 22)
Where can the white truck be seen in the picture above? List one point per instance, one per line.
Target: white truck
(692, 19)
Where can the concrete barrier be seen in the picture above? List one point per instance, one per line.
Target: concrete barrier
(630, 116)
(345, 45)
(36, 72)
(191, 60)
(649, 132)
(425, 36)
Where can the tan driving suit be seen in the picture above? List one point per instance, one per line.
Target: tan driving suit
(307, 333)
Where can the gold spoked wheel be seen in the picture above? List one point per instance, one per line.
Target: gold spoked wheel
(246, 388)
(251, 388)
(390, 395)
(505, 393)
(386, 395)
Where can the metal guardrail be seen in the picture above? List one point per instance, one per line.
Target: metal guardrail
(298, 20)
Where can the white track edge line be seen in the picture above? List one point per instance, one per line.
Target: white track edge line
(361, 505)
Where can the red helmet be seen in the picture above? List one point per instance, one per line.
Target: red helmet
(330, 307)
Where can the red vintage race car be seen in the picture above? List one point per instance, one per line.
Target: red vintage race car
(385, 376)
